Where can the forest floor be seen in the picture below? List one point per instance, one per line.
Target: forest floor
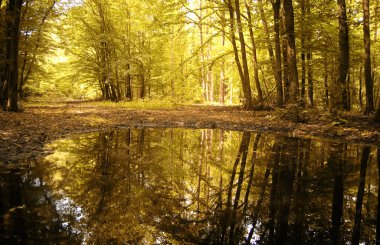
(23, 135)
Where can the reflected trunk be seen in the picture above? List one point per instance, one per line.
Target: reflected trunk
(229, 215)
(336, 163)
(360, 195)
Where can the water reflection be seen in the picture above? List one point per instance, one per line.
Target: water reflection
(151, 186)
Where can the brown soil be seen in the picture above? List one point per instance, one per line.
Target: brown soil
(23, 135)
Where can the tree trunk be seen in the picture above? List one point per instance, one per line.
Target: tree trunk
(276, 5)
(202, 53)
(310, 81)
(309, 57)
(141, 80)
(2, 53)
(340, 100)
(10, 95)
(254, 55)
(285, 74)
(246, 81)
(369, 108)
(361, 88)
(326, 85)
(243, 78)
(276, 68)
(128, 85)
(303, 51)
(291, 50)
(222, 81)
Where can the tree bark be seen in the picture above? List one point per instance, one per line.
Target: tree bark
(246, 81)
(276, 5)
(243, 72)
(361, 88)
(2, 53)
(10, 80)
(254, 55)
(309, 57)
(341, 100)
(326, 85)
(367, 60)
(303, 51)
(222, 78)
(276, 67)
(310, 81)
(291, 50)
(127, 45)
(141, 81)
(285, 74)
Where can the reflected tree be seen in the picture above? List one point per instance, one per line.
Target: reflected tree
(337, 166)
(359, 200)
(176, 187)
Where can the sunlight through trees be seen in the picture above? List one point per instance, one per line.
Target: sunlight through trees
(254, 53)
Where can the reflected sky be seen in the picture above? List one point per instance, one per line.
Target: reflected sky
(183, 186)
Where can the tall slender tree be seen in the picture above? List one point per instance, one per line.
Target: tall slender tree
(367, 59)
(243, 65)
(276, 5)
(254, 54)
(291, 50)
(340, 93)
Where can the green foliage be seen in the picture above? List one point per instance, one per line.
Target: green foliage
(175, 49)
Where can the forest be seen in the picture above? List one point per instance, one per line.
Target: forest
(189, 122)
(321, 54)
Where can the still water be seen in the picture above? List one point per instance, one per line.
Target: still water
(183, 186)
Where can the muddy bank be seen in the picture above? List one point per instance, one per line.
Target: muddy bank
(23, 135)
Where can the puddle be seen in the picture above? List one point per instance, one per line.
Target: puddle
(178, 186)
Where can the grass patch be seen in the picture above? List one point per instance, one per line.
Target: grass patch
(139, 104)
(136, 104)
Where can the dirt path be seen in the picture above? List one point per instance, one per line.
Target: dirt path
(23, 135)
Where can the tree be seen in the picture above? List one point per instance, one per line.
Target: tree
(127, 50)
(34, 41)
(291, 50)
(340, 93)
(276, 6)
(367, 59)
(242, 68)
(8, 84)
(254, 54)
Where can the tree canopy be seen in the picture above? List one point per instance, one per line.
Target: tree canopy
(258, 53)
